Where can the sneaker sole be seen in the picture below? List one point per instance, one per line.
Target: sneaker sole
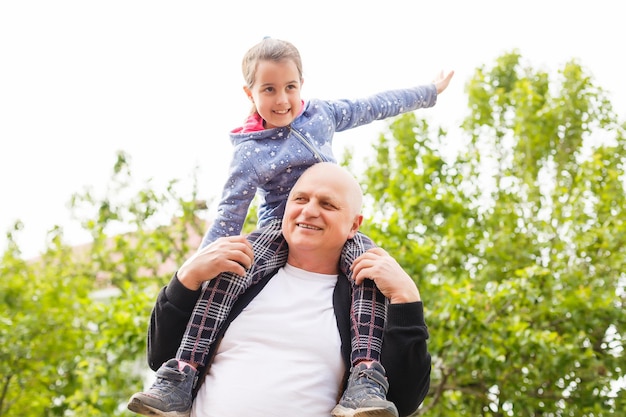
(136, 406)
(340, 411)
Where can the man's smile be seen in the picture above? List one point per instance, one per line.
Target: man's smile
(308, 226)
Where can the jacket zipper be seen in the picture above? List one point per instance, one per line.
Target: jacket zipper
(306, 143)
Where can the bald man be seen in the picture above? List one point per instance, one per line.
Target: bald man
(285, 347)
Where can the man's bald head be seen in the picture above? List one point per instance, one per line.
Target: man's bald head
(330, 173)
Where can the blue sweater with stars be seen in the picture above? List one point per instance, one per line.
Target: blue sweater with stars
(269, 162)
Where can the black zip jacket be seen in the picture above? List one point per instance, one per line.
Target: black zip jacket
(404, 354)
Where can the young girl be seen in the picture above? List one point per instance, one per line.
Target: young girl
(280, 139)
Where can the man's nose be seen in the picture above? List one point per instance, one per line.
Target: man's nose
(310, 209)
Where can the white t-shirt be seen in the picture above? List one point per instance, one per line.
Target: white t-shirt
(281, 356)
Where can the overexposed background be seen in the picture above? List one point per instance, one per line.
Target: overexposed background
(161, 80)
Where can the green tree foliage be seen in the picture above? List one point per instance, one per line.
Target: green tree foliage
(517, 242)
(73, 322)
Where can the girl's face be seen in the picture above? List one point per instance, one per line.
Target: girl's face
(276, 92)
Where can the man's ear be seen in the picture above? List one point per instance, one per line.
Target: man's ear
(356, 224)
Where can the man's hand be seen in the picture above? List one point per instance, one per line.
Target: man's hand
(227, 254)
(390, 278)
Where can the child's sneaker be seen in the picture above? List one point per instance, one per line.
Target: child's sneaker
(170, 395)
(366, 394)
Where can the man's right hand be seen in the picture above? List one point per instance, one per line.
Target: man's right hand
(227, 254)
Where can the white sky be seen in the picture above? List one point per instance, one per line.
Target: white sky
(161, 80)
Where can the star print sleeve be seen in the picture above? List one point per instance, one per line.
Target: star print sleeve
(237, 195)
(353, 113)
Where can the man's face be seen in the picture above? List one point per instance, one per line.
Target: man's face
(322, 212)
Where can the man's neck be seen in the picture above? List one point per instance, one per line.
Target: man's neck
(318, 263)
